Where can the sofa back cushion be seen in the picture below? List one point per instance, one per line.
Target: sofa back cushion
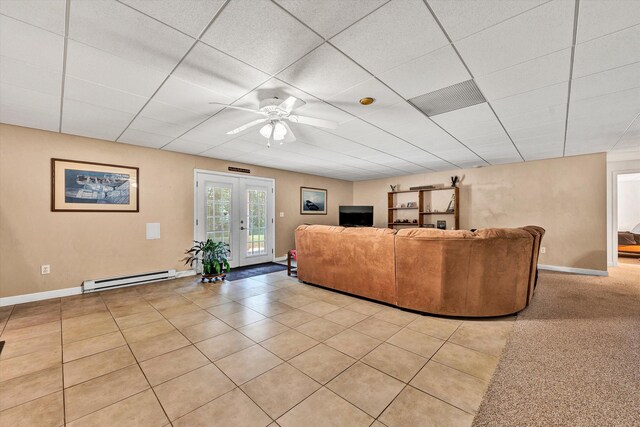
(357, 260)
(457, 272)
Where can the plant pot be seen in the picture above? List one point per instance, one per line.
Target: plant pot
(212, 277)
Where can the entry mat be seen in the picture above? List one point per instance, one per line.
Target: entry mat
(254, 270)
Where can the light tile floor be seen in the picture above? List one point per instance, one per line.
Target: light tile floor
(254, 352)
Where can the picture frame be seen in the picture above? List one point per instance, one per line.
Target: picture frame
(442, 224)
(81, 186)
(313, 201)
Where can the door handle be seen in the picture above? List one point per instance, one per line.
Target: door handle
(242, 228)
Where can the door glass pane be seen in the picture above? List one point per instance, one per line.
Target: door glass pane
(218, 224)
(256, 222)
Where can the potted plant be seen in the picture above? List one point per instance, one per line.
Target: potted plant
(212, 255)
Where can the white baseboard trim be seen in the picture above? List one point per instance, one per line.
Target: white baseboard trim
(38, 296)
(185, 273)
(58, 293)
(280, 258)
(585, 271)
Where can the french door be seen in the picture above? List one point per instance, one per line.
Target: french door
(238, 211)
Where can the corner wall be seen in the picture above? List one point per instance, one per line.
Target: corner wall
(81, 246)
(566, 196)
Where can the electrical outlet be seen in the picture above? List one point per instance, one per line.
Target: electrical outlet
(45, 269)
(543, 250)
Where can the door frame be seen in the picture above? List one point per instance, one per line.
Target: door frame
(271, 210)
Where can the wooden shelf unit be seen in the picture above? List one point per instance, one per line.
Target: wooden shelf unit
(421, 208)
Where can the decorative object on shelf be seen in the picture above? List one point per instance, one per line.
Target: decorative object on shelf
(412, 205)
(429, 226)
(442, 224)
(78, 186)
(398, 205)
(428, 208)
(393, 187)
(403, 205)
(415, 221)
(454, 181)
(427, 187)
(213, 257)
(313, 201)
(452, 204)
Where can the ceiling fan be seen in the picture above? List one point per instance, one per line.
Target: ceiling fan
(276, 113)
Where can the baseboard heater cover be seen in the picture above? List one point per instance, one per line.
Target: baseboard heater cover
(131, 280)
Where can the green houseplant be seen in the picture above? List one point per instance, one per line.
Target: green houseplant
(213, 256)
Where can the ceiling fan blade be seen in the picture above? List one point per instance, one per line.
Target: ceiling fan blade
(289, 136)
(240, 108)
(247, 126)
(303, 120)
(291, 103)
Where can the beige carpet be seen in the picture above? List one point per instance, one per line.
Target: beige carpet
(573, 357)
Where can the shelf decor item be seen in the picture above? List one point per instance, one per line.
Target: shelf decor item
(213, 257)
(454, 181)
(452, 204)
(313, 201)
(78, 186)
(442, 224)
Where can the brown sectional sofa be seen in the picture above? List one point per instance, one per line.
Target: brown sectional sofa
(488, 272)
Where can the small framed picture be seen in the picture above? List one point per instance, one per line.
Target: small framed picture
(78, 186)
(429, 226)
(442, 224)
(313, 201)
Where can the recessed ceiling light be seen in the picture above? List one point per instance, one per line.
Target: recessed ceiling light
(367, 101)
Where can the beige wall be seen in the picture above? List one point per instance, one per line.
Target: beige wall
(566, 196)
(81, 246)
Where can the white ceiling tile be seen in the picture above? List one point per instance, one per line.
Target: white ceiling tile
(435, 70)
(217, 71)
(190, 97)
(329, 17)
(261, 34)
(324, 72)
(550, 99)
(90, 64)
(614, 80)
(612, 106)
(543, 30)
(470, 122)
(46, 14)
(158, 127)
(19, 73)
(607, 52)
(537, 73)
(102, 96)
(182, 145)
(33, 46)
(540, 141)
(396, 33)
(170, 114)
(144, 139)
(349, 99)
(212, 132)
(115, 28)
(599, 17)
(79, 118)
(630, 141)
(462, 18)
(189, 16)
(24, 107)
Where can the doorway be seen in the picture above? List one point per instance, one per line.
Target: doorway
(628, 218)
(236, 210)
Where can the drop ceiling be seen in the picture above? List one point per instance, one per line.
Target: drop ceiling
(560, 78)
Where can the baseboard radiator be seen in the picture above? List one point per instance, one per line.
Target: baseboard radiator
(122, 281)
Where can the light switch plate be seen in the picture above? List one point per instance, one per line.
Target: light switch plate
(153, 230)
(281, 214)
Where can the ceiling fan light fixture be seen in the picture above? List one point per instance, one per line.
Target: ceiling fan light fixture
(266, 130)
(367, 101)
(279, 131)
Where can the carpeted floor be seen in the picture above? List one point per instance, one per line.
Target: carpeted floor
(254, 270)
(573, 357)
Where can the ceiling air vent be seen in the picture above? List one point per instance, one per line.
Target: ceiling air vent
(451, 98)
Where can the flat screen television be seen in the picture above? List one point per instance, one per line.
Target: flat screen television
(356, 216)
